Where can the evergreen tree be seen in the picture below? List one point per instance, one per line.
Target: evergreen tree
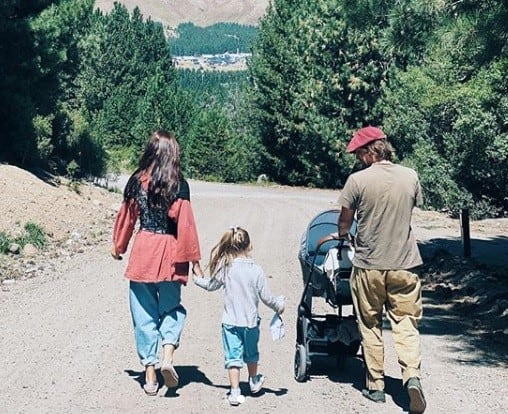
(218, 38)
(317, 73)
(39, 61)
(57, 33)
(121, 52)
(19, 70)
(447, 113)
(164, 106)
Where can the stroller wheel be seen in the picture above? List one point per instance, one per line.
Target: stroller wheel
(301, 369)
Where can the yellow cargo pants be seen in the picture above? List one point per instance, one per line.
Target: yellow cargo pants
(399, 291)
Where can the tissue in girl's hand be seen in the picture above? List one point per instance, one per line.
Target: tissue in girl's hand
(277, 328)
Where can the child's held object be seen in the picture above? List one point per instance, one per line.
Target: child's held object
(277, 328)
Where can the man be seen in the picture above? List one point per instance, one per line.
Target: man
(383, 196)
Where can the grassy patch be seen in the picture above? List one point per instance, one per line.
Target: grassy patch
(32, 234)
(5, 241)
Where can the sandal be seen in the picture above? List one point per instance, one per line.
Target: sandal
(169, 374)
(151, 388)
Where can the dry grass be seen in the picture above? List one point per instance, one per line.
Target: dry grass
(200, 12)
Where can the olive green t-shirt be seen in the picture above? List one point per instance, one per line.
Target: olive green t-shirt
(383, 196)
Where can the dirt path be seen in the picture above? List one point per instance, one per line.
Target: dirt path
(67, 343)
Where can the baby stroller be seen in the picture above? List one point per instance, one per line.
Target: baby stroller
(326, 269)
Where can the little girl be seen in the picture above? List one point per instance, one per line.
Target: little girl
(244, 285)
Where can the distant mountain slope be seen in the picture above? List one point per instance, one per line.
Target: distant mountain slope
(199, 12)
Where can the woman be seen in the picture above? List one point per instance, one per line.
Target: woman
(166, 242)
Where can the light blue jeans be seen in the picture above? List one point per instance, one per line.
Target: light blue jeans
(240, 345)
(158, 317)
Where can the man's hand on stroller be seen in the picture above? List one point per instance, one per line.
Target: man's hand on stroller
(337, 236)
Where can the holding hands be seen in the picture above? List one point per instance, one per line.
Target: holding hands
(196, 270)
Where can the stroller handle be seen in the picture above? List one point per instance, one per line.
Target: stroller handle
(333, 237)
(327, 238)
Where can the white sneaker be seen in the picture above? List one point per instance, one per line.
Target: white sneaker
(256, 383)
(235, 398)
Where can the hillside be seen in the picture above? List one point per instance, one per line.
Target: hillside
(74, 218)
(200, 12)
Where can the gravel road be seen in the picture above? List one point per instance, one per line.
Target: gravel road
(67, 342)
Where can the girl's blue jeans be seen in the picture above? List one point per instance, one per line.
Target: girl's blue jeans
(158, 317)
(240, 345)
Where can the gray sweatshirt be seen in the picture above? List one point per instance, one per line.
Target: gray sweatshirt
(244, 285)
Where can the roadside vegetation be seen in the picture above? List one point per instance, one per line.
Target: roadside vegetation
(80, 90)
(432, 73)
(33, 234)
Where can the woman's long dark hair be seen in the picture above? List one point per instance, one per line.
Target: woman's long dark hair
(161, 161)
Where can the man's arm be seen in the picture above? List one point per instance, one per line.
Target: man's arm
(345, 221)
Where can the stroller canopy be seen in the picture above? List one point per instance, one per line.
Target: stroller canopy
(320, 226)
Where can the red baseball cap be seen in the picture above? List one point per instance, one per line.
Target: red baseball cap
(363, 137)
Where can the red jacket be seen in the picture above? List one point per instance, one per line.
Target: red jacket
(158, 257)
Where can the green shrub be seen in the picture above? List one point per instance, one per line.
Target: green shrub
(73, 170)
(454, 134)
(34, 234)
(74, 186)
(440, 191)
(5, 241)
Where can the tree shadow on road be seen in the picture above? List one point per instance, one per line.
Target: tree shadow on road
(349, 371)
(467, 298)
(491, 252)
(244, 387)
(475, 343)
(187, 374)
(352, 371)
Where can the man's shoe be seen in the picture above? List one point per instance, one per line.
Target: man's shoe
(417, 402)
(374, 395)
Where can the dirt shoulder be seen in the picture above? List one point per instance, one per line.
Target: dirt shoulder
(74, 216)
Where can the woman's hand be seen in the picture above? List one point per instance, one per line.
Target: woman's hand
(115, 254)
(196, 269)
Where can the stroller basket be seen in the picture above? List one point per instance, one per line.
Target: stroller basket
(332, 335)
